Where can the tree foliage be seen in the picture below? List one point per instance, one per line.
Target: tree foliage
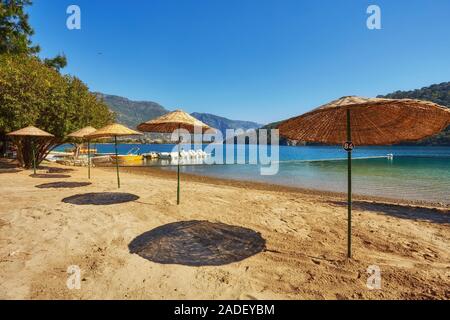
(31, 93)
(15, 32)
(437, 93)
(57, 62)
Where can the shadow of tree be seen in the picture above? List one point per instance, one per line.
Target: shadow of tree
(11, 170)
(9, 166)
(197, 243)
(402, 211)
(8, 163)
(100, 198)
(63, 185)
(49, 176)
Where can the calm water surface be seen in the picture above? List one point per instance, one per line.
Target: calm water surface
(415, 173)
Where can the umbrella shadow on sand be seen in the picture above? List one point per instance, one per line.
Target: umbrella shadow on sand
(100, 198)
(56, 170)
(49, 176)
(197, 243)
(63, 185)
(402, 211)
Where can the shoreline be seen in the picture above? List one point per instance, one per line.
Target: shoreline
(9, 164)
(263, 186)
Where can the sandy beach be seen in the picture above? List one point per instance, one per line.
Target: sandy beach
(227, 240)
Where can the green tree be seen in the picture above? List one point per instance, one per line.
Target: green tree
(15, 32)
(31, 93)
(59, 62)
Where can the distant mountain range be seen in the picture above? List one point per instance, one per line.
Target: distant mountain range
(132, 113)
(222, 124)
(437, 93)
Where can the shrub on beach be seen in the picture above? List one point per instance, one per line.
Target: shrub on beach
(32, 93)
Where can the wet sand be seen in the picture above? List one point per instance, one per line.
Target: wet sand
(227, 239)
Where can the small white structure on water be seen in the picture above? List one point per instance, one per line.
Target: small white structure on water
(190, 154)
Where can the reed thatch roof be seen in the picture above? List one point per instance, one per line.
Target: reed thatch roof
(113, 130)
(172, 121)
(374, 121)
(30, 131)
(82, 132)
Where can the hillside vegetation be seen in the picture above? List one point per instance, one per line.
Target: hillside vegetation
(222, 124)
(437, 93)
(132, 113)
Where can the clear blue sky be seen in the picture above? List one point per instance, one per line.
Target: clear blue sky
(260, 60)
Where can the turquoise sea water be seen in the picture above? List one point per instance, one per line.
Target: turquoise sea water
(415, 173)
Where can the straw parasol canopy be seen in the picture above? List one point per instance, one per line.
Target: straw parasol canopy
(30, 131)
(82, 133)
(172, 121)
(112, 130)
(374, 121)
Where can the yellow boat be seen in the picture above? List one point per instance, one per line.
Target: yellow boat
(85, 151)
(128, 158)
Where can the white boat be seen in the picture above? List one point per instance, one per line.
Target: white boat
(189, 154)
(150, 155)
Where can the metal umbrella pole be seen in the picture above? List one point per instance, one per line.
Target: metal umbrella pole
(178, 168)
(349, 147)
(117, 162)
(89, 158)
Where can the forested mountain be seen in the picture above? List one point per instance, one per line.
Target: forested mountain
(222, 124)
(437, 93)
(131, 113)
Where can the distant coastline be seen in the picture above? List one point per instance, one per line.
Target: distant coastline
(131, 113)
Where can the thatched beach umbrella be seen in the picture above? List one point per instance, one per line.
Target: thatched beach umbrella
(113, 130)
(31, 132)
(363, 121)
(170, 122)
(82, 135)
